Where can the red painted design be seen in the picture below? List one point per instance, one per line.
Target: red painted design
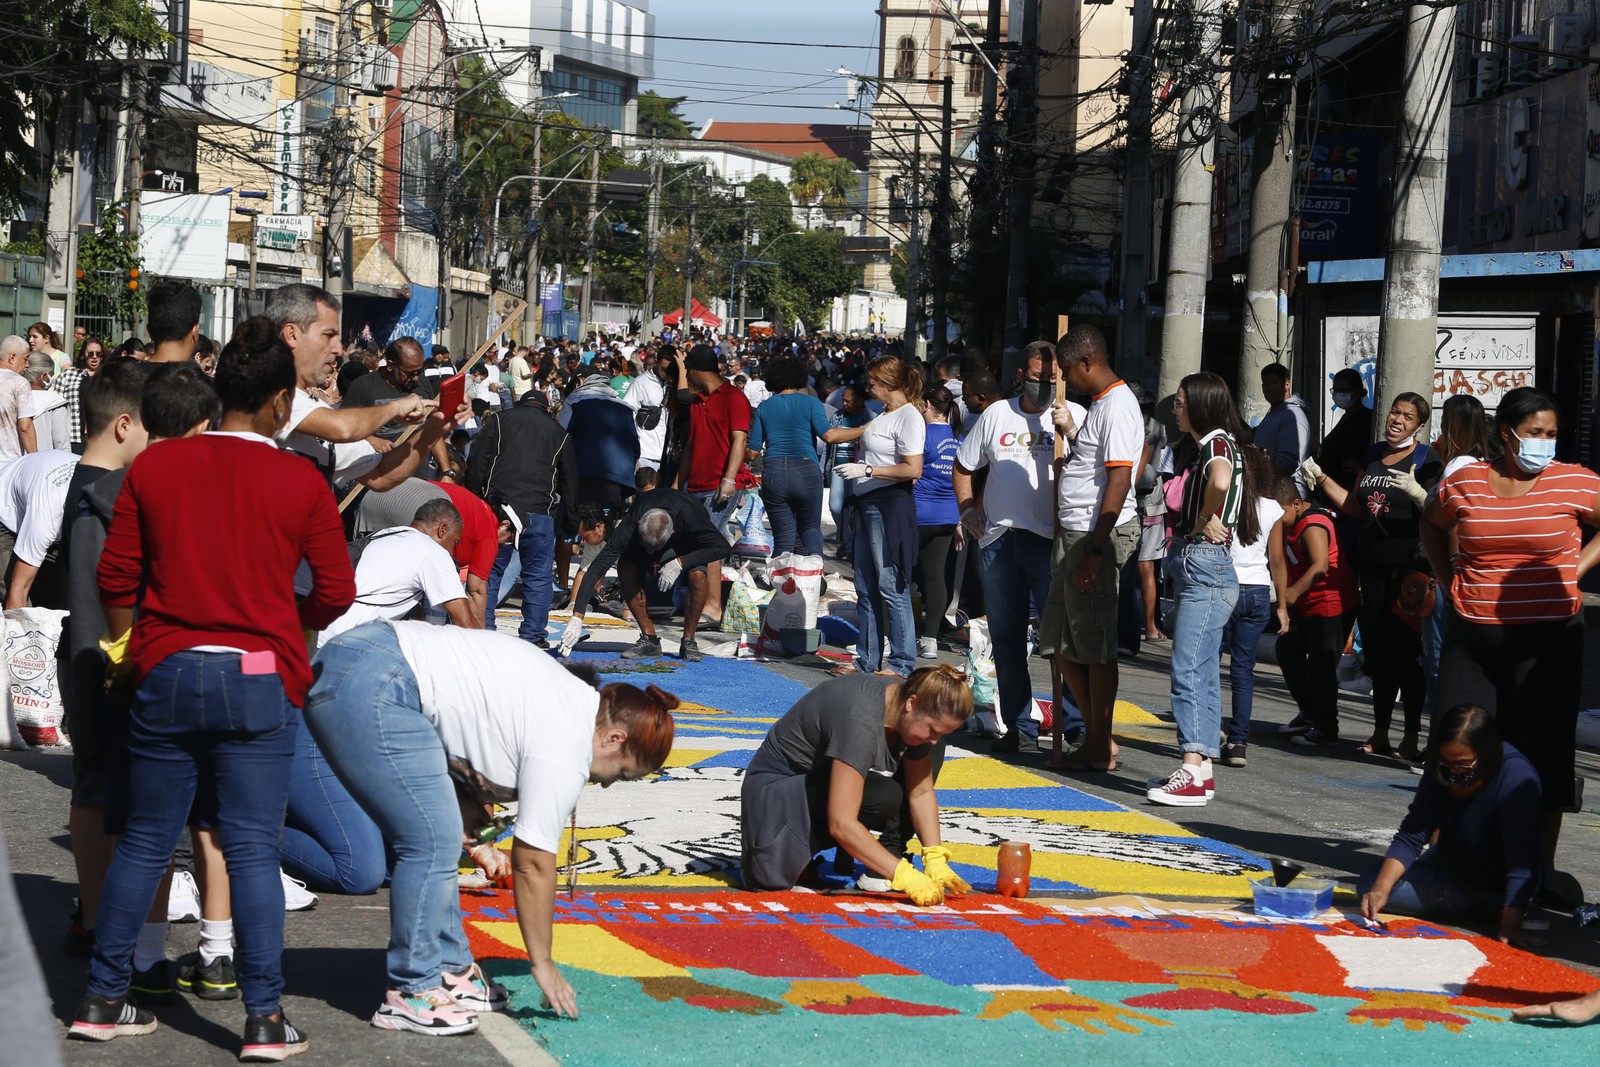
(1217, 1000)
(880, 1006)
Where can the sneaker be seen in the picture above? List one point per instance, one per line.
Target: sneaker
(927, 648)
(475, 990)
(1233, 755)
(870, 882)
(644, 648)
(432, 1011)
(690, 650)
(183, 899)
(1297, 725)
(269, 1040)
(1315, 738)
(101, 1020)
(296, 897)
(1211, 782)
(1183, 789)
(208, 981)
(152, 985)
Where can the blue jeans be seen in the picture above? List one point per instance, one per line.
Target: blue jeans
(1251, 613)
(366, 714)
(196, 715)
(1433, 631)
(791, 487)
(881, 587)
(838, 492)
(1206, 591)
(1427, 891)
(328, 841)
(1130, 607)
(536, 549)
(1016, 581)
(503, 578)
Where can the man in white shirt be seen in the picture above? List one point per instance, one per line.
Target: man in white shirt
(648, 394)
(521, 368)
(33, 496)
(16, 405)
(1011, 526)
(1099, 534)
(406, 565)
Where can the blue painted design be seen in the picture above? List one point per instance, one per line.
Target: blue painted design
(959, 957)
(734, 757)
(1044, 797)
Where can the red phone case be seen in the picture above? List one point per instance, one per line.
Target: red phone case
(453, 393)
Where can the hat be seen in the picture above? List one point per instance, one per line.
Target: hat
(702, 357)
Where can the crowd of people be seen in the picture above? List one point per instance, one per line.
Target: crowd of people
(331, 679)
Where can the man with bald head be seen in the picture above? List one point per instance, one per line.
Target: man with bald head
(16, 406)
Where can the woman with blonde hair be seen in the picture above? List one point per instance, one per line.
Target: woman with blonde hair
(854, 755)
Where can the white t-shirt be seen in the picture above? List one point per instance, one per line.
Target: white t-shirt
(33, 494)
(1111, 435)
(1250, 561)
(16, 402)
(1018, 449)
(344, 462)
(529, 723)
(649, 391)
(518, 367)
(399, 567)
(889, 436)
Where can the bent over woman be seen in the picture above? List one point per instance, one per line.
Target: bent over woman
(854, 755)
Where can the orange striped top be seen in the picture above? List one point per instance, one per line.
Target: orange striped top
(1518, 560)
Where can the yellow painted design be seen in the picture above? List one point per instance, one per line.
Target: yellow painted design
(972, 772)
(688, 757)
(1126, 714)
(1120, 876)
(1127, 822)
(590, 947)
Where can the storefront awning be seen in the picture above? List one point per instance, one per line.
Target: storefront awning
(1497, 265)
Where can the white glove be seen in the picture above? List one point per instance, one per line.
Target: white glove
(1407, 483)
(1065, 424)
(668, 575)
(1310, 473)
(571, 635)
(850, 471)
(495, 863)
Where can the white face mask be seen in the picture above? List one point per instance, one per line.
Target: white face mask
(1534, 454)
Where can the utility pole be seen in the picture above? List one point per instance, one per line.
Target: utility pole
(1189, 236)
(744, 254)
(447, 200)
(586, 300)
(1022, 105)
(1264, 336)
(914, 248)
(1134, 269)
(338, 195)
(531, 315)
(651, 240)
(1409, 324)
(687, 322)
(941, 228)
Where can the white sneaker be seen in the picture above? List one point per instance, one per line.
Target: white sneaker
(928, 648)
(296, 897)
(183, 899)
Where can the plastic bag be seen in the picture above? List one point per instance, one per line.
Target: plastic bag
(34, 693)
(785, 611)
(742, 613)
(753, 539)
(980, 668)
(806, 573)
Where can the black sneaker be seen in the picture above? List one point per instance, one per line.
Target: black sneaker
(644, 648)
(1315, 738)
(690, 651)
(213, 981)
(268, 1040)
(1295, 726)
(101, 1020)
(1233, 755)
(153, 985)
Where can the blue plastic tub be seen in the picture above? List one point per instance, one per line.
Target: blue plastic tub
(1303, 898)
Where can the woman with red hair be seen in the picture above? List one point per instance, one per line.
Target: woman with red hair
(417, 730)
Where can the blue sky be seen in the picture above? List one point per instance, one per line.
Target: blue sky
(751, 83)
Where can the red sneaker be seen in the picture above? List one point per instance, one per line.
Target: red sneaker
(1183, 788)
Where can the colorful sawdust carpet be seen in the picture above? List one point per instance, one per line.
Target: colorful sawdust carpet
(681, 828)
(806, 978)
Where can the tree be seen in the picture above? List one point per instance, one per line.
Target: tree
(811, 272)
(659, 117)
(825, 182)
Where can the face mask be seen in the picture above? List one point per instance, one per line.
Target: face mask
(1038, 394)
(1534, 454)
(1342, 401)
(1458, 777)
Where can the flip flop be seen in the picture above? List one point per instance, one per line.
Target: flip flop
(708, 624)
(842, 669)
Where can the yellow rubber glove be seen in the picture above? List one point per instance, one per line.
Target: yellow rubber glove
(936, 863)
(116, 651)
(922, 890)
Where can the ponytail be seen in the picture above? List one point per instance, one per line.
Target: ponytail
(646, 715)
(941, 691)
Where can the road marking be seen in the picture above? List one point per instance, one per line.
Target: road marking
(516, 1046)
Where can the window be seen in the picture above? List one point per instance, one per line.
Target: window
(905, 67)
(369, 172)
(975, 72)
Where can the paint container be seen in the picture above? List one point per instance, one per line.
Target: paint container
(1015, 860)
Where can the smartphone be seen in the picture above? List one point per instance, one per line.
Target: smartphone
(453, 393)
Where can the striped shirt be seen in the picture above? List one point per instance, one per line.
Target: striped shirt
(1216, 446)
(1518, 560)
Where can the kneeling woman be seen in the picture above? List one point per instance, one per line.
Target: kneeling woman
(1482, 798)
(856, 754)
(401, 708)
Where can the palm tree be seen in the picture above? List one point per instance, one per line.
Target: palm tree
(828, 183)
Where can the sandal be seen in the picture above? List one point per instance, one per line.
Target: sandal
(842, 669)
(1371, 748)
(1409, 755)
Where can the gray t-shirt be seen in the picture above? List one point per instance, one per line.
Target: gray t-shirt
(395, 507)
(841, 719)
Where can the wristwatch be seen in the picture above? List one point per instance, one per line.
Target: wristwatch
(869, 470)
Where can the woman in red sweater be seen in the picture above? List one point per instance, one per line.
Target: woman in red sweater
(204, 543)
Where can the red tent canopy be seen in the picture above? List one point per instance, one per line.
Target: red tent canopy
(698, 315)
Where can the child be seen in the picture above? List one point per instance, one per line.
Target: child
(1322, 602)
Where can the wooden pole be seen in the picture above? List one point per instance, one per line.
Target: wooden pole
(1055, 516)
(514, 310)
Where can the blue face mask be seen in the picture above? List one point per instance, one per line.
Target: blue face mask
(1534, 454)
